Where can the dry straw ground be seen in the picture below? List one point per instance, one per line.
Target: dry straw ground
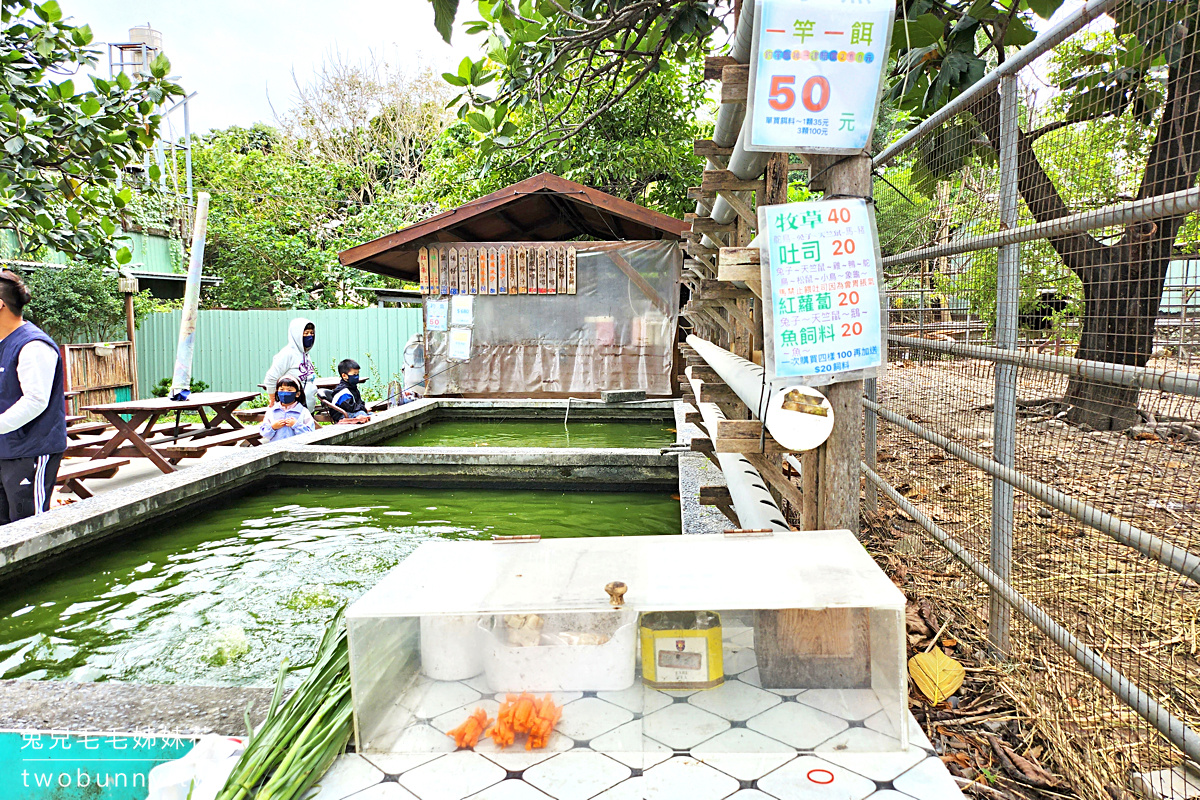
(1037, 724)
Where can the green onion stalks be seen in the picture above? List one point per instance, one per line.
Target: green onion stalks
(300, 738)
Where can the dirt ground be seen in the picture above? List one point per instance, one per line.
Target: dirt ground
(1140, 616)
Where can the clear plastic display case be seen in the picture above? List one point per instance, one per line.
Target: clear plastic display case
(539, 644)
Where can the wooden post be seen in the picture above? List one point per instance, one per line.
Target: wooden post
(839, 478)
(129, 287)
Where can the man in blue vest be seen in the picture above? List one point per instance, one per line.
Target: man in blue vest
(33, 421)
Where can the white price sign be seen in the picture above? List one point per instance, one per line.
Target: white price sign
(459, 348)
(816, 72)
(462, 310)
(821, 262)
(436, 312)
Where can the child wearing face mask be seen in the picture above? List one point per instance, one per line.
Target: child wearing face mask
(287, 416)
(294, 361)
(345, 394)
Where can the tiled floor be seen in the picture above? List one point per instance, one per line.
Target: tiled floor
(737, 741)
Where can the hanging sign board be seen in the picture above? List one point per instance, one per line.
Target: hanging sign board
(820, 261)
(435, 314)
(474, 270)
(816, 73)
(522, 271)
(452, 260)
(493, 278)
(433, 271)
(571, 259)
(423, 266)
(462, 310)
(443, 272)
(503, 270)
(552, 272)
(464, 269)
(459, 344)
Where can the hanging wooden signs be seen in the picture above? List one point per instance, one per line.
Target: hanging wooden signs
(501, 269)
(452, 272)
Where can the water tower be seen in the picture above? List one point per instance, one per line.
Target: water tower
(134, 56)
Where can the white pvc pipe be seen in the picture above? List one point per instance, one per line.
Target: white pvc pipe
(181, 382)
(755, 507)
(795, 430)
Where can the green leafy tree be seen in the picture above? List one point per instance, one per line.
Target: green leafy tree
(640, 149)
(80, 303)
(1144, 82)
(551, 71)
(270, 220)
(64, 146)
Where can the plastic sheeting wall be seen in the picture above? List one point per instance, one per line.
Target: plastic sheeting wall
(612, 334)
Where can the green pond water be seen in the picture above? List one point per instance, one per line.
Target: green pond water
(535, 433)
(220, 598)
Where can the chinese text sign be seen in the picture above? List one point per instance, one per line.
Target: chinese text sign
(459, 348)
(823, 274)
(436, 312)
(815, 73)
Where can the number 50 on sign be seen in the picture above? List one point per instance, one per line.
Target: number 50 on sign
(816, 72)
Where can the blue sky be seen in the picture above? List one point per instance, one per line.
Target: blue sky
(236, 53)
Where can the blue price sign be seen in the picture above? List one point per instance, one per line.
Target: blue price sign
(816, 72)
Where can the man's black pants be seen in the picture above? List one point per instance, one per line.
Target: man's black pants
(26, 485)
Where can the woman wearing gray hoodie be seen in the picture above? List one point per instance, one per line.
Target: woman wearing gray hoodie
(293, 361)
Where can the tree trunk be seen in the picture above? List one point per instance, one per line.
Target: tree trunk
(1122, 282)
(1120, 310)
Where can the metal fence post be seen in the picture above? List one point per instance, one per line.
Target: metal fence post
(870, 442)
(1008, 271)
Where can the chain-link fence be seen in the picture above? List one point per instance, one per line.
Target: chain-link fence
(1040, 417)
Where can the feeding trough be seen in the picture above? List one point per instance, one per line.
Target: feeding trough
(792, 613)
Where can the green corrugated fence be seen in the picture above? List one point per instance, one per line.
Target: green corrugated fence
(234, 348)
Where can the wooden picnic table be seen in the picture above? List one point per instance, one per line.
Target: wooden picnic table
(128, 441)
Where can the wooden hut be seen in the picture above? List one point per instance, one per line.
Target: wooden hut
(545, 288)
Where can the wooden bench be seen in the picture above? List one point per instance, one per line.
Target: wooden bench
(86, 445)
(199, 445)
(69, 476)
(83, 429)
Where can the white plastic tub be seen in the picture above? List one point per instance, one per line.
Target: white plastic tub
(555, 667)
(450, 647)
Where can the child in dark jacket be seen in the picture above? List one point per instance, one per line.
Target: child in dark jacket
(346, 396)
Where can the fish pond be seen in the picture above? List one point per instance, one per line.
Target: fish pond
(536, 433)
(222, 597)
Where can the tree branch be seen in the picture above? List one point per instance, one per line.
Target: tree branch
(1078, 251)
